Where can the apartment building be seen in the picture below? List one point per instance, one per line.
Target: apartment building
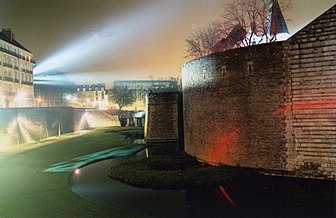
(16, 72)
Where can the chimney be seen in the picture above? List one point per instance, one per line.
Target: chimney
(8, 32)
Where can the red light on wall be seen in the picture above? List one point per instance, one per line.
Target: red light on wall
(220, 146)
(307, 105)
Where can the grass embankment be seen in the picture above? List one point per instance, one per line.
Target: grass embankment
(27, 190)
(177, 171)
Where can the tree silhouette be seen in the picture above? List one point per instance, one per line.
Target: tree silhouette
(122, 96)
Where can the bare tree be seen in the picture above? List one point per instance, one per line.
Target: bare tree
(260, 19)
(201, 40)
(244, 23)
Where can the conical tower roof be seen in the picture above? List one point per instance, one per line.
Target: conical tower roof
(278, 23)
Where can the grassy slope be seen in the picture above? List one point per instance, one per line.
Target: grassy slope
(26, 191)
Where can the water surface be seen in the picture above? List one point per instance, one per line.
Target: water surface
(254, 197)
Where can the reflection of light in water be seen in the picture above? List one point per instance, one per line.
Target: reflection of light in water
(227, 196)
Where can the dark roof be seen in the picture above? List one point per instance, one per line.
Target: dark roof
(13, 42)
(278, 23)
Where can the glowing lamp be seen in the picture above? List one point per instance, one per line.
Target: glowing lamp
(21, 95)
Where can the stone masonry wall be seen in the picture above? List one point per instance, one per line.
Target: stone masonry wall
(162, 122)
(311, 99)
(269, 106)
(229, 101)
(20, 125)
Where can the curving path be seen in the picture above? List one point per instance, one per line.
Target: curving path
(28, 189)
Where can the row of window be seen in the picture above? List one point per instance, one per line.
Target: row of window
(16, 51)
(90, 89)
(10, 62)
(16, 76)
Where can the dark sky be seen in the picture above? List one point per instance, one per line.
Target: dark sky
(104, 40)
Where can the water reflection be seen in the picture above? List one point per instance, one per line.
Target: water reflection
(93, 184)
(265, 197)
(256, 197)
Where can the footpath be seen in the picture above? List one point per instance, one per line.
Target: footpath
(28, 190)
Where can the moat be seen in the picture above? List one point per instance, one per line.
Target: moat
(254, 197)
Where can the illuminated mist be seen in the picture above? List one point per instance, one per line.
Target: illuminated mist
(107, 43)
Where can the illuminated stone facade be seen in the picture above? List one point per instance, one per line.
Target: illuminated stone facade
(270, 106)
(16, 73)
(91, 96)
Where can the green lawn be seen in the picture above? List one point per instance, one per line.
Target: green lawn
(27, 190)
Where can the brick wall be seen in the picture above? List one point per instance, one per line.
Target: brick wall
(269, 106)
(163, 124)
(229, 101)
(311, 98)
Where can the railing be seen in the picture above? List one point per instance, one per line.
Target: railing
(16, 68)
(9, 79)
(7, 65)
(27, 83)
(16, 81)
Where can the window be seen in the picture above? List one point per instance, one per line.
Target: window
(223, 72)
(249, 68)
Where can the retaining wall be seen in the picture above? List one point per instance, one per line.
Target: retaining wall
(19, 125)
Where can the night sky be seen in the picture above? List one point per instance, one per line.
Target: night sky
(105, 40)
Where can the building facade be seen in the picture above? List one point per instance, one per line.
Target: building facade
(141, 87)
(16, 72)
(91, 96)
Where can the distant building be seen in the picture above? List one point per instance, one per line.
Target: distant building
(142, 87)
(53, 89)
(16, 72)
(92, 95)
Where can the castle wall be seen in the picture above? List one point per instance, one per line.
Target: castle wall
(229, 101)
(270, 106)
(163, 123)
(311, 99)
